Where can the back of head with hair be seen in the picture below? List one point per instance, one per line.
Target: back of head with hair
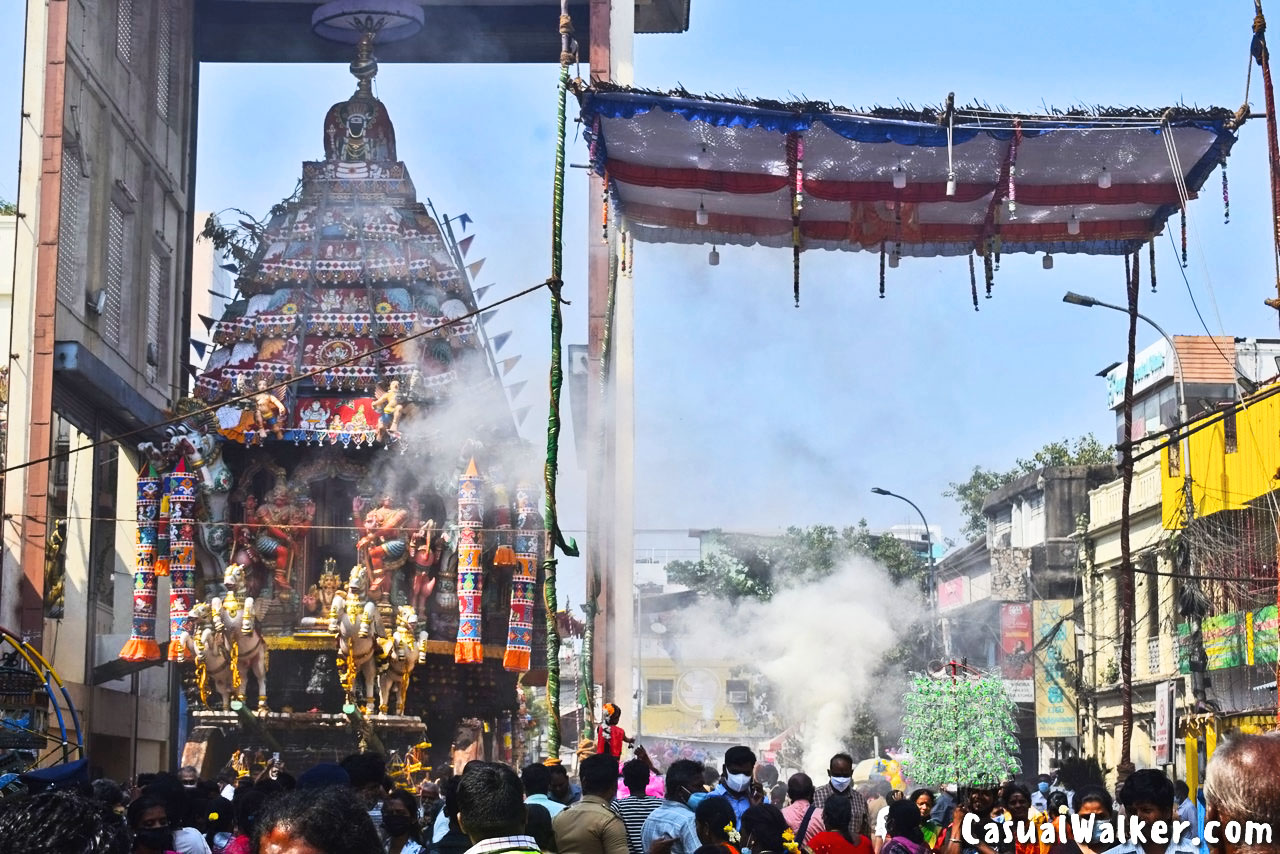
(599, 775)
(800, 787)
(1147, 786)
(684, 776)
(330, 820)
(107, 792)
(715, 814)
(538, 825)
(904, 821)
(635, 776)
(59, 820)
(766, 824)
(490, 801)
(1241, 783)
(247, 807)
(365, 769)
(1180, 790)
(837, 813)
(536, 779)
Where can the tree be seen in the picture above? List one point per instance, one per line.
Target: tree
(7, 208)
(970, 494)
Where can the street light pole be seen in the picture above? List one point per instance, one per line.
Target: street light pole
(1200, 687)
(933, 569)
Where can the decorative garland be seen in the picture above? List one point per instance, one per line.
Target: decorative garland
(1183, 217)
(180, 487)
(973, 282)
(988, 271)
(467, 649)
(1151, 256)
(1226, 195)
(142, 645)
(959, 730)
(795, 161)
(524, 582)
(882, 244)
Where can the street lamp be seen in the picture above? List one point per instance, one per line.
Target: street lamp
(1089, 302)
(933, 570)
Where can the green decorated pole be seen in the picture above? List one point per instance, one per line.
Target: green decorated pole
(959, 729)
(567, 57)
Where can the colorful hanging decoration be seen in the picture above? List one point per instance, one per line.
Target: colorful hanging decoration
(1183, 219)
(1151, 257)
(467, 650)
(882, 249)
(973, 282)
(1013, 168)
(959, 730)
(142, 645)
(180, 489)
(988, 271)
(795, 160)
(1226, 195)
(524, 583)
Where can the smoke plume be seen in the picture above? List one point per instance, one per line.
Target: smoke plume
(818, 643)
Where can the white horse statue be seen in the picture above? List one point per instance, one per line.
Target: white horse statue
(209, 651)
(356, 622)
(401, 654)
(235, 621)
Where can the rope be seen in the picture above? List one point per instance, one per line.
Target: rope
(1126, 558)
(556, 380)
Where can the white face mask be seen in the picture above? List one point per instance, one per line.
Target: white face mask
(737, 782)
(840, 783)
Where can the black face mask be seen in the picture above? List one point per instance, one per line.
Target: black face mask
(397, 825)
(155, 838)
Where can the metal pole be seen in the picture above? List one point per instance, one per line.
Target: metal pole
(933, 569)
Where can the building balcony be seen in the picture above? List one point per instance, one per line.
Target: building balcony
(1106, 503)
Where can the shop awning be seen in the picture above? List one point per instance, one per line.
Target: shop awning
(913, 182)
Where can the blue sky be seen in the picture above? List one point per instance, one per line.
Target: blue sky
(750, 413)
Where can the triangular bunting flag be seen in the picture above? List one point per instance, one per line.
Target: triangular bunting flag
(199, 347)
(516, 388)
(480, 292)
(464, 221)
(508, 364)
(193, 370)
(207, 321)
(498, 340)
(521, 413)
(464, 245)
(486, 316)
(474, 268)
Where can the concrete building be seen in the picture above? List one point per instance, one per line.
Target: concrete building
(213, 286)
(99, 326)
(1010, 603)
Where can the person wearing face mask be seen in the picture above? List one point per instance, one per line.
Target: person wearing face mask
(736, 785)
(672, 827)
(400, 823)
(149, 823)
(840, 774)
(1040, 797)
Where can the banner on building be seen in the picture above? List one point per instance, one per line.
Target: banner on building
(1230, 640)
(1224, 640)
(1016, 662)
(1264, 636)
(1055, 654)
(1165, 725)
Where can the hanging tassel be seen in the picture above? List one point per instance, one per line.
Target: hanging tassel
(1226, 195)
(604, 210)
(989, 270)
(996, 244)
(973, 282)
(1184, 237)
(795, 159)
(1128, 275)
(1151, 258)
(882, 247)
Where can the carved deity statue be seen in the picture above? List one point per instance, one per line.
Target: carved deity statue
(388, 406)
(268, 412)
(283, 522)
(354, 618)
(383, 547)
(236, 622)
(318, 601)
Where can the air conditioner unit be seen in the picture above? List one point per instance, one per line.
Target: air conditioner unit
(738, 697)
(96, 301)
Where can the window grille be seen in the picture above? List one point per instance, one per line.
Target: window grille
(113, 308)
(124, 31)
(157, 281)
(70, 246)
(164, 60)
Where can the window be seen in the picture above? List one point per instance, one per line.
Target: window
(1229, 431)
(124, 30)
(70, 244)
(736, 691)
(659, 692)
(164, 60)
(157, 284)
(113, 305)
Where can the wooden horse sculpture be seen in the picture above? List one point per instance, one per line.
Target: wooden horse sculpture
(356, 622)
(208, 650)
(400, 652)
(235, 621)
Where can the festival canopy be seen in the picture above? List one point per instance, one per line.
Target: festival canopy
(909, 182)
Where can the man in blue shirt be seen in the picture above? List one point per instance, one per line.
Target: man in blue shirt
(537, 787)
(672, 826)
(736, 785)
(1148, 796)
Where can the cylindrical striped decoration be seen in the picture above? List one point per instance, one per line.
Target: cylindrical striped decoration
(525, 581)
(180, 488)
(141, 645)
(467, 650)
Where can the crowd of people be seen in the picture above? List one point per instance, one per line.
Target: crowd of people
(353, 807)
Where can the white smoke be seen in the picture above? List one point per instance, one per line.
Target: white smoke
(819, 644)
